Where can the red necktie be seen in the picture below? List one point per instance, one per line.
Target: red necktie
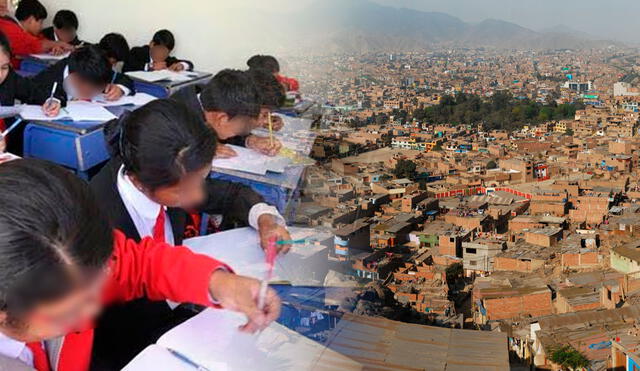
(158, 229)
(40, 359)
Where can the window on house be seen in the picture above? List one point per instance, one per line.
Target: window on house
(473, 262)
(608, 294)
(472, 251)
(452, 239)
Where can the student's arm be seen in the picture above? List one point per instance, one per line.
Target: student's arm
(159, 272)
(44, 81)
(125, 81)
(233, 200)
(24, 44)
(238, 140)
(173, 60)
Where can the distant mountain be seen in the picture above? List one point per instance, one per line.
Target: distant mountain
(365, 26)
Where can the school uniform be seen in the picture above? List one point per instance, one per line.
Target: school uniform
(148, 268)
(137, 216)
(140, 60)
(22, 43)
(49, 33)
(190, 96)
(59, 72)
(18, 88)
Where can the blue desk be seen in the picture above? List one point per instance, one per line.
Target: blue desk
(277, 189)
(78, 145)
(32, 66)
(163, 89)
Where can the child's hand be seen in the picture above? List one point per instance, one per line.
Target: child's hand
(51, 107)
(224, 151)
(177, 67)
(269, 229)
(264, 145)
(113, 92)
(240, 294)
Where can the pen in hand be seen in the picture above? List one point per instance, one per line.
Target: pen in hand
(271, 253)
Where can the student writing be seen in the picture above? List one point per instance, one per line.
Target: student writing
(61, 262)
(158, 177)
(116, 49)
(65, 28)
(230, 104)
(157, 55)
(24, 29)
(83, 76)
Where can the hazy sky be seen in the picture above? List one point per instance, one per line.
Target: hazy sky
(611, 19)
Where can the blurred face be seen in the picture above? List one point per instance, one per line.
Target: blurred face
(32, 25)
(73, 312)
(66, 36)
(81, 89)
(227, 127)
(158, 53)
(187, 194)
(5, 66)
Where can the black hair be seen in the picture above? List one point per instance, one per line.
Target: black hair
(164, 38)
(264, 62)
(66, 20)
(115, 46)
(91, 64)
(28, 8)
(53, 236)
(161, 142)
(271, 92)
(5, 46)
(233, 92)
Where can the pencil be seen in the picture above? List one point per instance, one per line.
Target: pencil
(270, 129)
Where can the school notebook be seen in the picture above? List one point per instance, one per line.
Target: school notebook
(75, 111)
(138, 99)
(250, 161)
(211, 341)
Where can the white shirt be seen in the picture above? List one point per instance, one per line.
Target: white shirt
(15, 349)
(144, 211)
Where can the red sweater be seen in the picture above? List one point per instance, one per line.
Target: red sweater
(22, 42)
(290, 83)
(157, 271)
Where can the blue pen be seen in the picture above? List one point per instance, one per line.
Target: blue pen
(186, 359)
(113, 78)
(13, 126)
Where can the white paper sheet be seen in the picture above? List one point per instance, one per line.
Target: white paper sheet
(138, 99)
(75, 111)
(162, 75)
(252, 162)
(51, 57)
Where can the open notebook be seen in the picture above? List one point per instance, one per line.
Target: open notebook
(211, 341)
(252, 162)
(75, 111)
(51, 57)
(138, 99)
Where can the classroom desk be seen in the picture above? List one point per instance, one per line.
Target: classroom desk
(278, 189)
(78, 145)
(164, 89)
(32, 66)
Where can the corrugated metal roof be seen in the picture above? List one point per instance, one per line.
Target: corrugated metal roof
(382, 344)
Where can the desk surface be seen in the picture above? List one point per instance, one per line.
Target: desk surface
(198, 76)
(82, 127)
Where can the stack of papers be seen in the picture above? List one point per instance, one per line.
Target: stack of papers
(138, 99)
(250, 161)
(162, 75)
(75, 111)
